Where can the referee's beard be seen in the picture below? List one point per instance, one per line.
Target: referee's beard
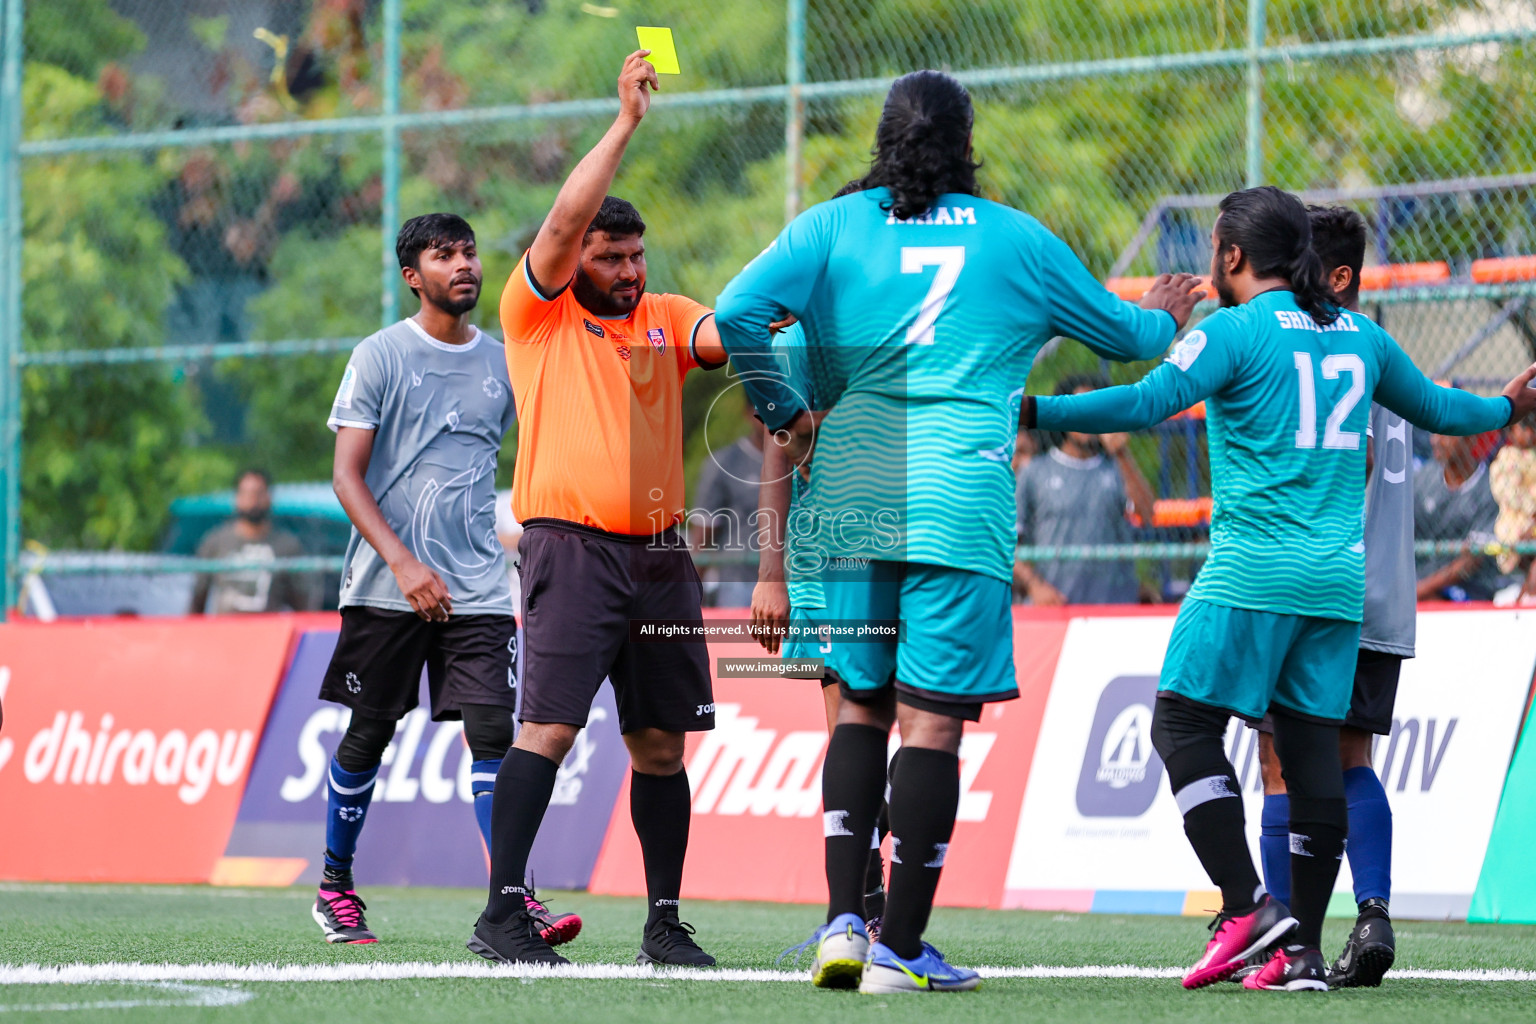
(620, 300)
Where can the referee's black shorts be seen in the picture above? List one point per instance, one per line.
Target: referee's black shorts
(581, 589)
(376, 669)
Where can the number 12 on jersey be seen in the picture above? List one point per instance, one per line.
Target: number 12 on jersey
(1334, 436)
(914, 260)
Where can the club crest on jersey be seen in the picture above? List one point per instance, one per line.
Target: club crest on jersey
(592, 328)
(623, 351)
(658, 339)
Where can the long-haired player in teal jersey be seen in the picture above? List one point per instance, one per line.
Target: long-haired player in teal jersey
(788, 598)
(923, 306)
(1272, 622)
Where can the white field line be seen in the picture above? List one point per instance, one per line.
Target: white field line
(181, 994)
(77, 974)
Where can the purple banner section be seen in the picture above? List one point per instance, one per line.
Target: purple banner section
(421, 825)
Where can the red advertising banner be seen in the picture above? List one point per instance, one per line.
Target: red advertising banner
(756, 780)
(126, 743)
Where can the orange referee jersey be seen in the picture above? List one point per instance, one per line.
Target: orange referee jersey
(599, 407)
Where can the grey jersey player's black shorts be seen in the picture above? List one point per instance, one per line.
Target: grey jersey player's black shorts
(584, 590)
(1374, 694)
(376, 670)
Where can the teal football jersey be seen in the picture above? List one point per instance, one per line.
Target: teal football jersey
(1287, 408)
(919, 337)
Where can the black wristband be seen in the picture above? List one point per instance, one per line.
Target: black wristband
(1027, 413)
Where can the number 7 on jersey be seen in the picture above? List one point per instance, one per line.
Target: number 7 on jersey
(914, 260)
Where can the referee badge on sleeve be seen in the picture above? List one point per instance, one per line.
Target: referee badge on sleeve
(658, 339)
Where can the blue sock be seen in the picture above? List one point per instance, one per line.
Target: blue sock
(347, 798)
(1275, 846)
(482, 782)
(1370, 835)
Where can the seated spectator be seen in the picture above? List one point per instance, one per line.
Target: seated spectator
(251, 537)
(1080, 492)
(1453, 502)
(723, 515)
(1512, 478)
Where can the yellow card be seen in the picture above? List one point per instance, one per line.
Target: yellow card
(663, 51)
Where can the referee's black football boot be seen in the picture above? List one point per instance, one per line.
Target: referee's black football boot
(668, 942)
(514, 941)
(1370, 951)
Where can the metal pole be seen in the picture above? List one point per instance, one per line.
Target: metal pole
(389, 206)
(1257, 11)
(794, 107)
(10, 306)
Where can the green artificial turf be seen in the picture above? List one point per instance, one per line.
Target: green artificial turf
(194, 925)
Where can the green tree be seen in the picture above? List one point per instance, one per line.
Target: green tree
(105, 446)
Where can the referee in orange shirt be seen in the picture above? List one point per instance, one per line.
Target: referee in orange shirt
(597, 369)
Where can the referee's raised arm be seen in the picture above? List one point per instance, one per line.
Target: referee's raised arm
(557, 248)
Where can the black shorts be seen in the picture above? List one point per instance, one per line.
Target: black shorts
(1373, 697)
(581, 589)
(376, 670)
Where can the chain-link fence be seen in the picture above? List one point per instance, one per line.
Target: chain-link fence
(201, 195)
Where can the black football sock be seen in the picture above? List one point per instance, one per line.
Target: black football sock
(852, 783)
(1309, 759)
(925, 796)
(661, 806)
(1317, 846)
(1188, 738)
(523, 788)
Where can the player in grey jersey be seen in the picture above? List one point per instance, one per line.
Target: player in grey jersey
(1386, 638)
(419, 418)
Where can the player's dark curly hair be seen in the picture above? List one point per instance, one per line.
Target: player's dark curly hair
(1338, 236)
(1273, 231)
(923, 143)
(429, 231)
(617, 218)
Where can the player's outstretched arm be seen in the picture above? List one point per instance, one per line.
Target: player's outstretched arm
(1084, 309)
(422, 587)
(557, 247)
(1194, 371)
(1422, 402)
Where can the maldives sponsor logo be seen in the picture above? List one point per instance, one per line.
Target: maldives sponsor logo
(1121, 771)
(623, 351)
(67, 753)
(658, 339)
(740, 768)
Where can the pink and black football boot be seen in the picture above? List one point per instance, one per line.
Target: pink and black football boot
(1236, 938)
(555, 929)
(339, 913)
(1292, 969)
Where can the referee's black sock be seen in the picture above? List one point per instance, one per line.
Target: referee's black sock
(852, 783)
(925, 797)
(523, 788)
(661, 807)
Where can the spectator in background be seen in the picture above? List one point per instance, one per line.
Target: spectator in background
(1453, 502)
(1512, 478)
(1080, 492)
(722, 518)
(251, 537)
